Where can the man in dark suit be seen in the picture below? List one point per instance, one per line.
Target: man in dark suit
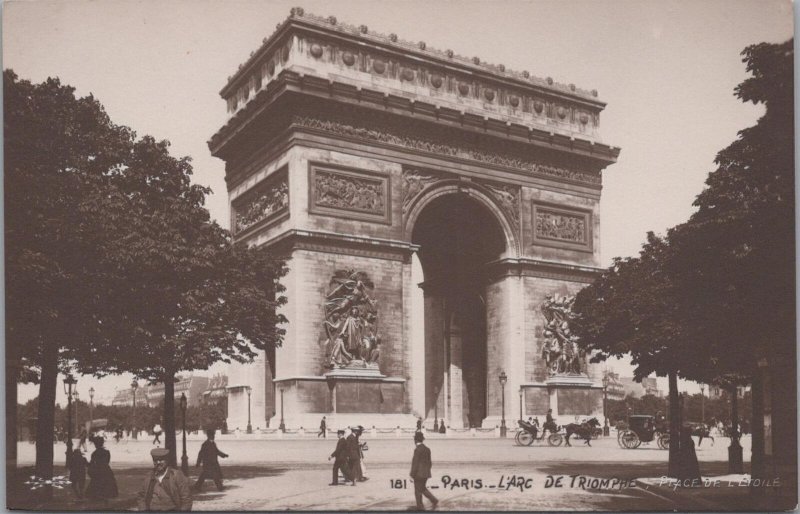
(353, 456)
(208, 459)
(421, 472)
(340, 459)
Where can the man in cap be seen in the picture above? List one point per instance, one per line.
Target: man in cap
(340, 459)
(421, 472)
(165, 488)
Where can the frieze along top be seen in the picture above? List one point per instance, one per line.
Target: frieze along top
(360, 58)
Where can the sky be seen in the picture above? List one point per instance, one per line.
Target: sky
(667, 70)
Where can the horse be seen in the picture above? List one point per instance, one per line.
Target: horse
(583, 430)
(702, 431)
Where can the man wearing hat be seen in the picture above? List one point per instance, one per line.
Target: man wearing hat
(165, 488)
(208, 459)
(421, 472)
(340, 459)
(353, 455)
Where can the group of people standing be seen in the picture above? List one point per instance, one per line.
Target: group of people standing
(349, 456)
(102, 485)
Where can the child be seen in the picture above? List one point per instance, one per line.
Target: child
(77, 472)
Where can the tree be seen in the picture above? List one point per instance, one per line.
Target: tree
(58, 151)
(195, 297)
(716, 294)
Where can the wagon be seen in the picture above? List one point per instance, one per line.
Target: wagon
(642, 429)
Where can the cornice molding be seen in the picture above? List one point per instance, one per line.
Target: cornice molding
(527, 267)
(329, 242)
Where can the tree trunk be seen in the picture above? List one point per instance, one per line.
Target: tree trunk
(12, 374)
(45, 424)
(757, 430)
(674, 427)
(169, 418)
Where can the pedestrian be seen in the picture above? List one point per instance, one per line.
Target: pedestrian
(353, 456)
(208, 459)
(165, 488)
(157, 433)
(77, 471)
(362, 447)
(435, 425)
(323, 429)
(442, 428)
(339, 457)
(419, 424)
(82, 440)
(103, 485)
(421, 472)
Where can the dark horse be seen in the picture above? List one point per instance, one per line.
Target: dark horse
(583, 430)
(702, 431)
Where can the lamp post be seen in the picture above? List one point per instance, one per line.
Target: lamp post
(503, 380)
(184, 457)
(134, 386)
(77, 423)
(520, 402)
(249, 425)
(703, 403)
(282, 426)
(435, 404)
(69, 383)
(606, 430)
(91, 409)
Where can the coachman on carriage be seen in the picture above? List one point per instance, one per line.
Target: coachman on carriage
(643, 429)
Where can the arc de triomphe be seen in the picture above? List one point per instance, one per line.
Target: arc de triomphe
(436, 213)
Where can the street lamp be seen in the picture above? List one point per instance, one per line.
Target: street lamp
(69, 383)
(606, 430)
(91, 409)
(184, 457)
(249, 425)
(134, 386)
(503, 380)
(282, 426)
(703, 403)
(520, 402)
(77, 423)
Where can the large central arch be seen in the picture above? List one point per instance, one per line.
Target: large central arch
(457, 235)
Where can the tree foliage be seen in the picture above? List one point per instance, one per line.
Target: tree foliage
(113, 262)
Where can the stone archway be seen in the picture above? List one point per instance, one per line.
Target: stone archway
(457, 235)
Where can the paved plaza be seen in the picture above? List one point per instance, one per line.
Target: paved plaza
(468, 474)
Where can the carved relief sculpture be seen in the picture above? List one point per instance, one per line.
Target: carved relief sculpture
(263, 204)
(560, 351)
(348, 192)
(508, 199)
(561, 227)
(414, 182)
(351, 322)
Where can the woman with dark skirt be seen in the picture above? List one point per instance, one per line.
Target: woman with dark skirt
(103, 485)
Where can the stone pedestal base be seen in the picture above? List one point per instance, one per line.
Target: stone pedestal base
(571, 397)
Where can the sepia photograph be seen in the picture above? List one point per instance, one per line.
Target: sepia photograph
(384, 256)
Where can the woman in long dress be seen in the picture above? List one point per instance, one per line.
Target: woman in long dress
(103, 485)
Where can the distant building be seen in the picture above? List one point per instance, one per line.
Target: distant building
(192, 386)
(620, 387)
(196, 389)
(716, 392)
(217, 388)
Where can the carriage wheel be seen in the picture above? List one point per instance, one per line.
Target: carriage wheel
(663, 441)
(555, 439)
(630, 440)
(525, 438)
(516, 438)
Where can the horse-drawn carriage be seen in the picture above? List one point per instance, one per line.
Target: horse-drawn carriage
(530, 432)
(642, 429)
